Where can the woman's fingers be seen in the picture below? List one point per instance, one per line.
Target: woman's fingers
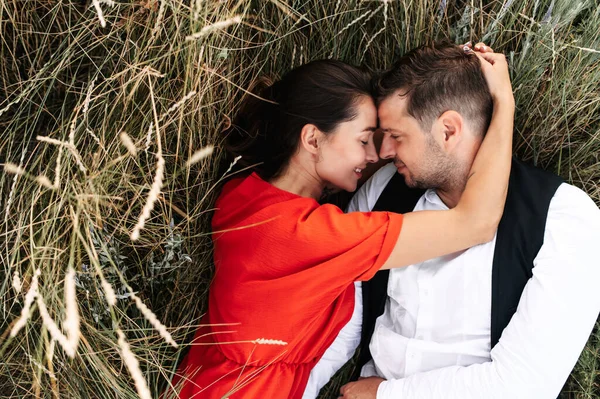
(495, 71)
(481, 47)
(492, 58)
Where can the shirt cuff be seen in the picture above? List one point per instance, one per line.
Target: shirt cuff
(368, 370)
(390, 389)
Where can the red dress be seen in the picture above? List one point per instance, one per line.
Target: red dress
(284, 268)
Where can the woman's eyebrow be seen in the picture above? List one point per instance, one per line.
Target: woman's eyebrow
(370, 129)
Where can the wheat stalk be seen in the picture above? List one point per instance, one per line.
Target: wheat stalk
(151, 317)
(29, 298)
(199, 155)
(264, 341)
(216, 26)
(133, 366)
(96, 4)
(128, 143)
(16, 282)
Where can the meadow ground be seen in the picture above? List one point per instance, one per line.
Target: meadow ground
(110, 121)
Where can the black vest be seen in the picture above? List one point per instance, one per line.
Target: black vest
(518, 241)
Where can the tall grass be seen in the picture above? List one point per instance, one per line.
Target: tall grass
(115, 189)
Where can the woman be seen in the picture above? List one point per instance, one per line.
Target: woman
(285, 265)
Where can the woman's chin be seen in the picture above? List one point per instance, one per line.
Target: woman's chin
(350, 187)
(332, 188)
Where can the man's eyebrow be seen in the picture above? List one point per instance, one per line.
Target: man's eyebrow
(391, 131)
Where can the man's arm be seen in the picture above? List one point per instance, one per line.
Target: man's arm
(556, 313)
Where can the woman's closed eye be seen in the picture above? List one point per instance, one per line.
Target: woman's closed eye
(364, 142)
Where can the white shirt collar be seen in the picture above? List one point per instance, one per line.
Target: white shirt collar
(432, 197)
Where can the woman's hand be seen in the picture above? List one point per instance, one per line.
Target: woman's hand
(495, 71)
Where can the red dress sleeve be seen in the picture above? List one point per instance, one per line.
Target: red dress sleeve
(348, 247)
(272, 234)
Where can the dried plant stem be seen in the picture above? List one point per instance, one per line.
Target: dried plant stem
(158, 178)
(69, 146)
(71, 323)
(200, 155)
(152, 197)
(53, 329)
(128, 143)
(158, 24)
(133, 366)
(16, 283)
(86, 103)
(216, 26)
(57, 168)
(96, 4)
(264, 341)
(70, 341)
(29, 298)
(163, 116)
(151, 317)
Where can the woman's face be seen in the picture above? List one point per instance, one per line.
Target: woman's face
(346, 151)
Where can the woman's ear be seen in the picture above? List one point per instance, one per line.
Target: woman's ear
(310, 138)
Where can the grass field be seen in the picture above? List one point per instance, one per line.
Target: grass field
(104, 106)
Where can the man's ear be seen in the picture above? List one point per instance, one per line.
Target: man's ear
(450, 129)
(311, 138)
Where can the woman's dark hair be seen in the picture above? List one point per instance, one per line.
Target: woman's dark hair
(266, 130)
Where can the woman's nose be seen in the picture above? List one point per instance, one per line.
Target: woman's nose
(372, 154)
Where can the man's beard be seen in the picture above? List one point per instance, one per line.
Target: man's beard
(440, 171)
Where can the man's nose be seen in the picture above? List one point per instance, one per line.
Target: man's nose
(387, 150)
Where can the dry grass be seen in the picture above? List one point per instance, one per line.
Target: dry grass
(129, 213)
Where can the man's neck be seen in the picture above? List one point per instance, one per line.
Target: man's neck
(452, 190)
(451, 194)
(449, 198)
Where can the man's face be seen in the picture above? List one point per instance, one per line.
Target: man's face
(416, 153)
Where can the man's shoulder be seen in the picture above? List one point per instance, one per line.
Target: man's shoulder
(564, 197)
(569, 198)
(541, 175)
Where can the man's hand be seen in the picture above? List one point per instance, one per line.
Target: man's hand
(365, 388)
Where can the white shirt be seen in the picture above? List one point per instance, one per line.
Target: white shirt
(438, 312)
(341, 350)
(433, 339)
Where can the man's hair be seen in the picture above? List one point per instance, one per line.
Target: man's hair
(438, 78)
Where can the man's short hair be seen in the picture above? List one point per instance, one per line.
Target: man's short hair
(438, 78)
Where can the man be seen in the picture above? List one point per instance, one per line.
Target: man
(507, 319)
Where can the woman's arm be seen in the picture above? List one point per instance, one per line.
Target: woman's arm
(429, 234)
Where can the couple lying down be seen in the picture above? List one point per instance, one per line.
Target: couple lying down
(458, 271)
